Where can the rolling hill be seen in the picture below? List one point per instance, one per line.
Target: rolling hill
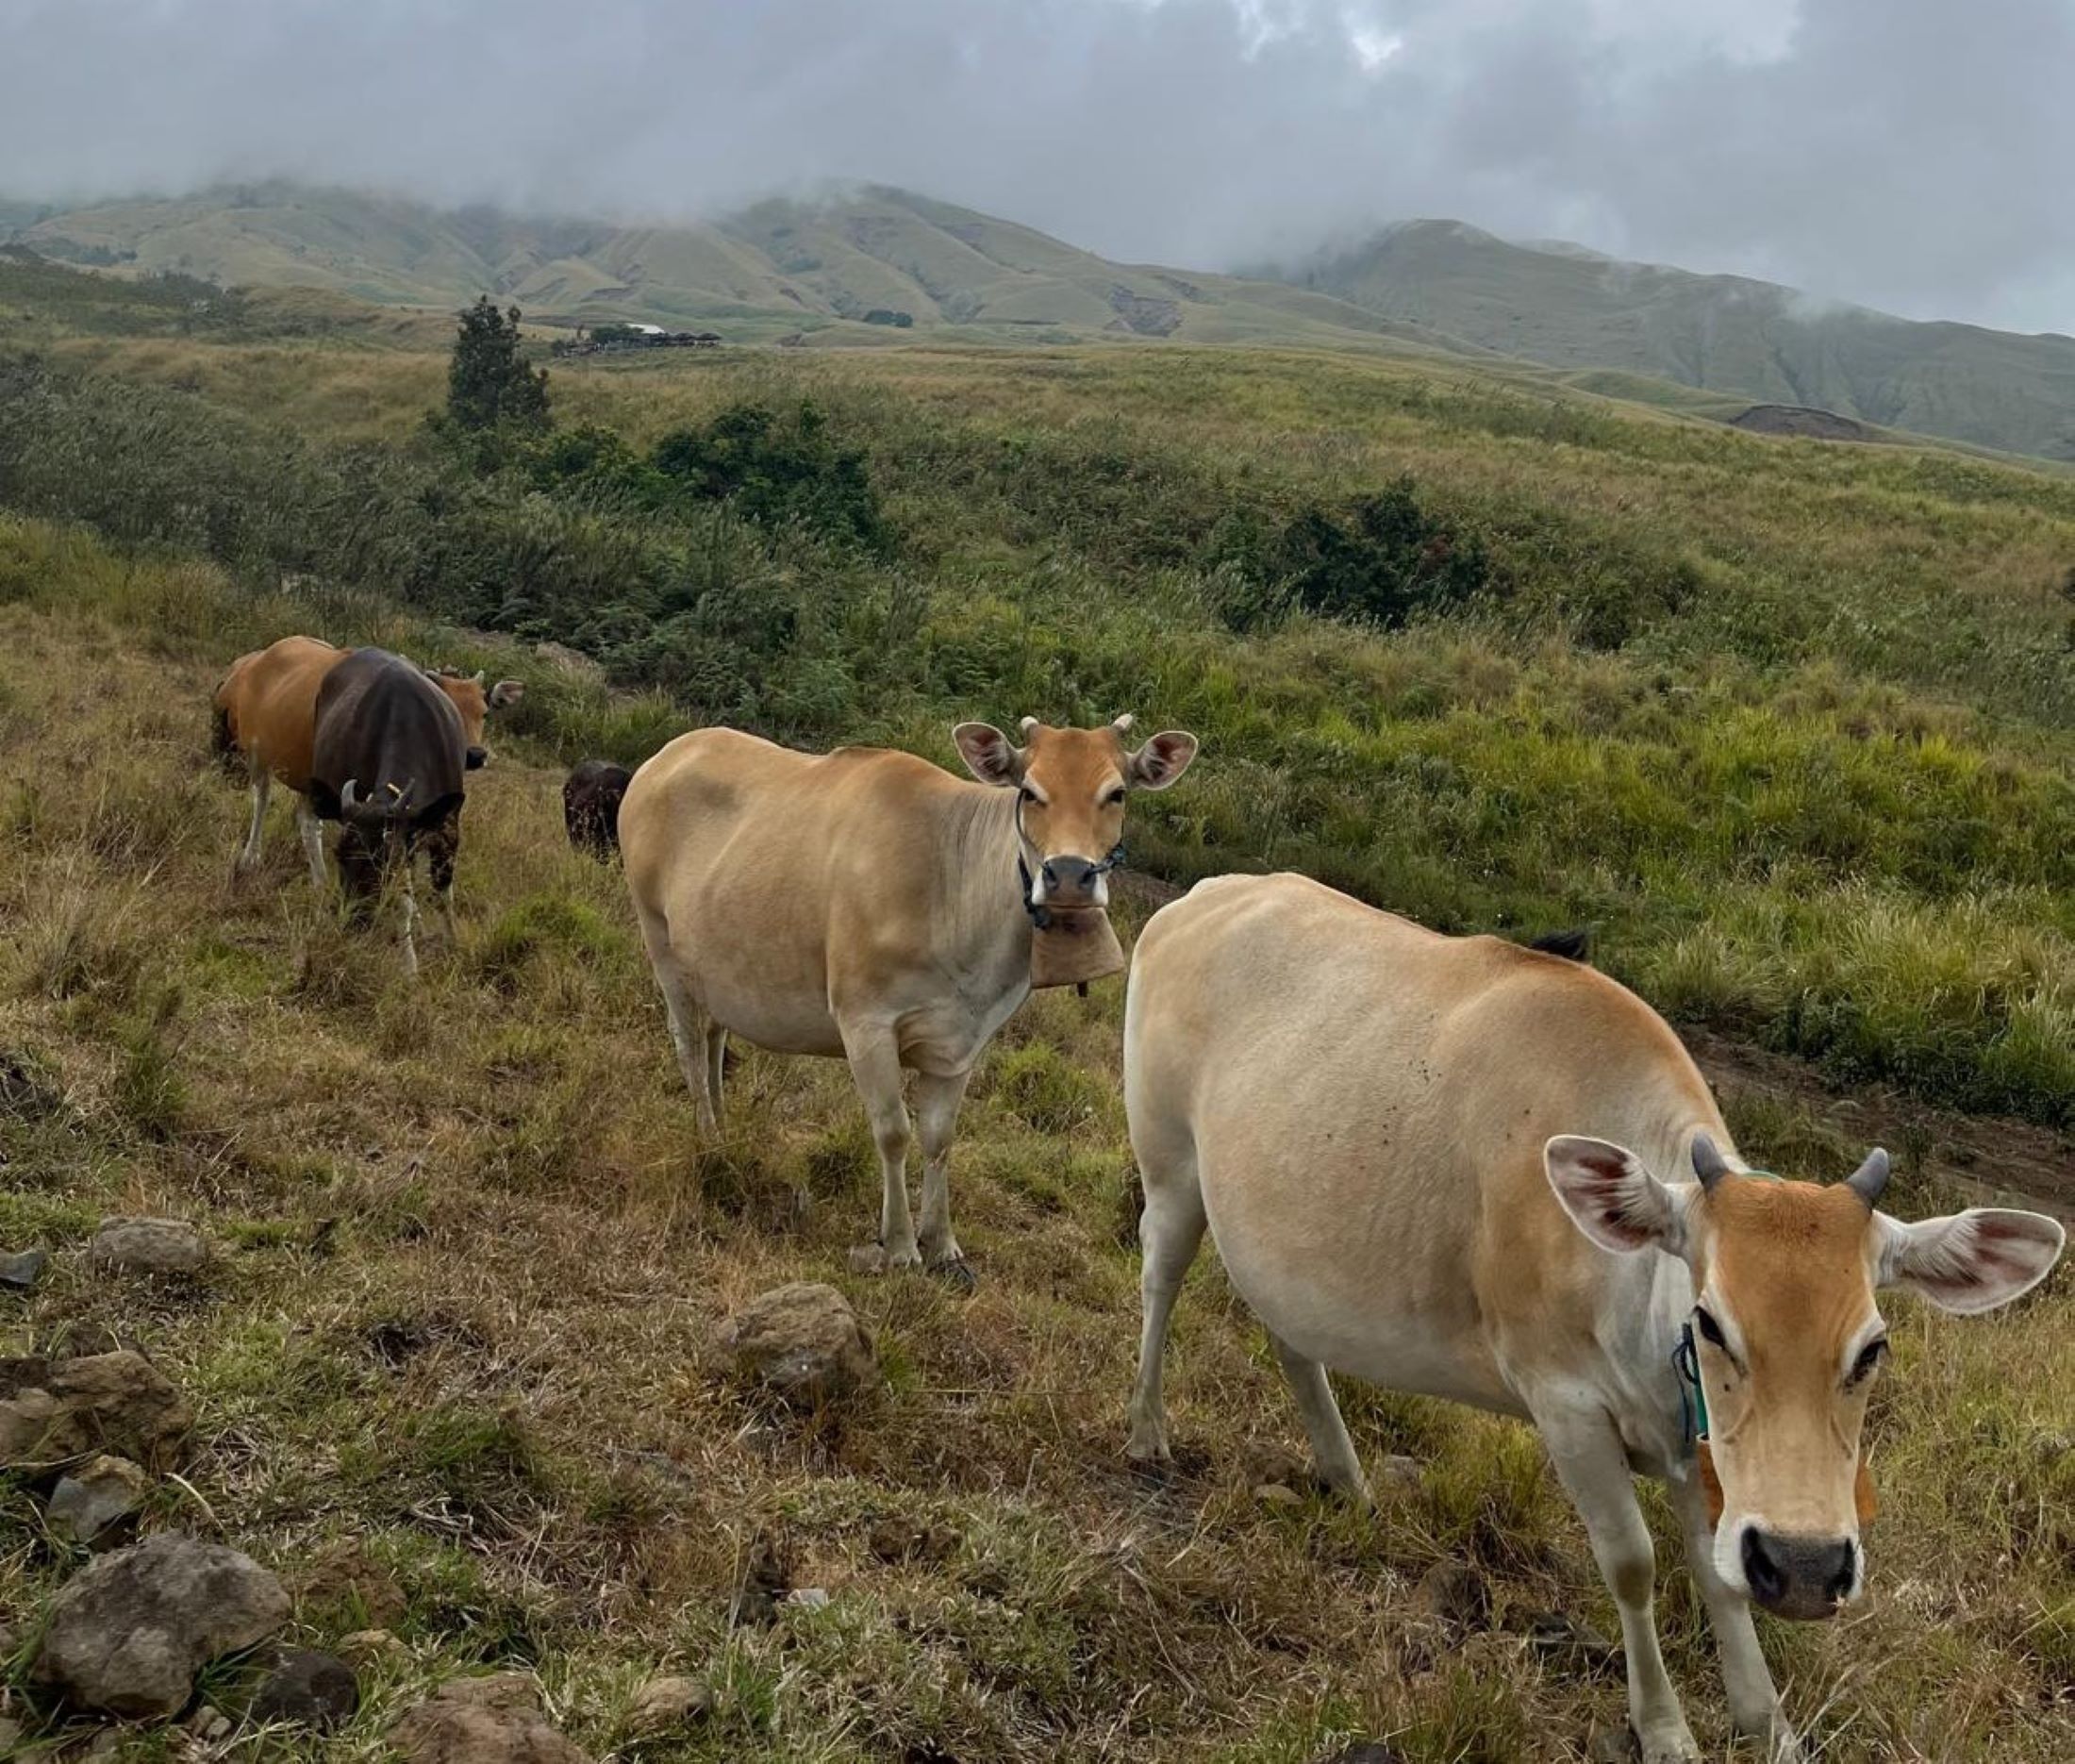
(1572, 309)
(778, 267)
(866, 263)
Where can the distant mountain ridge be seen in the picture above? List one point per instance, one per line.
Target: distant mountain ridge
(1571, 307)
(866, 262)
(777, 266)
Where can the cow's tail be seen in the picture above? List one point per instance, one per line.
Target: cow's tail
(224, 741)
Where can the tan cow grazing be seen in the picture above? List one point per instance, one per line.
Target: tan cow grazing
(867, 904)
(266, 719)
(1455, 1166)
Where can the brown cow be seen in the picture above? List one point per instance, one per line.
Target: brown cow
(869, 905)
(1451, 1166)
(266, 718)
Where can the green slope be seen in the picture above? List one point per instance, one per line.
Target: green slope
(779, 266)
(1748, 340)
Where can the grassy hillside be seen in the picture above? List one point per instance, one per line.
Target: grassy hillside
(454, 1372)
(1724, 334)
(776, 268)
(1792, 726)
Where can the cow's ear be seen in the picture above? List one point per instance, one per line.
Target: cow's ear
(991, 757)
(1162, 759)
(1612, 1198)
(1970, 1261)
(506, 693)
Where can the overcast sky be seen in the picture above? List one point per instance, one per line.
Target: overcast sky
(1915, 155)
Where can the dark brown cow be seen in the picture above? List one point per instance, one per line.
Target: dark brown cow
(590, 806)
(388, 762)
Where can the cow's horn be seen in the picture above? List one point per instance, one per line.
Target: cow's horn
(1122, 724)
(346, 797)
(1024, 727)
(1869, 1179)
(1708, 1163)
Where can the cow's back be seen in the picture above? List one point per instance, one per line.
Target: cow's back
(1366, 1101)
(779, 878)
(390, 731)
(267, 705)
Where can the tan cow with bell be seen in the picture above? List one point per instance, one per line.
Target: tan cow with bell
(266, 724)
(1455, 1166)
(867, 904)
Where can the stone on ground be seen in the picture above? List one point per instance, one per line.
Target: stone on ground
(128, 1632)
(23, 1269)
(496, 1720)
(307, 1688)
(54, 1410)
(148, 1246)
(91, 1505)
(802, 1341)
(668, 1703)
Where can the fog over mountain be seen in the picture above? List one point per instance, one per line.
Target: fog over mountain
(1905, 154)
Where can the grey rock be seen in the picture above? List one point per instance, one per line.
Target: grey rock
(54, 1410)
(91, 1505)
(1399, 1474)
(1365, 1752)
(148, 1246)
(668, 1703)
(1455, 1594)
(803, 1342)
(1278, 1494)
(307, 1689)
(128, 1632)
(1569, 1644)
(23, 1269)
(367, 1647)
(808, 1598)
(496, 1720)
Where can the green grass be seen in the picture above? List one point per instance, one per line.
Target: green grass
(455, 1374)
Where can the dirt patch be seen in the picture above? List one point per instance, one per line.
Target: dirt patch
(1990, 1158)
(1802, 422)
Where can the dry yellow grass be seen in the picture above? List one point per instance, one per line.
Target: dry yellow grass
(454, 1370)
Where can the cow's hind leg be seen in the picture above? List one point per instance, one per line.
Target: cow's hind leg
(1316, 1406)
(716, 1063)
(263, 782)
(698, 1040)
(875, 1064)
(1171, 1229)
(937, 1101)
(312, 832)
(1592, 1464)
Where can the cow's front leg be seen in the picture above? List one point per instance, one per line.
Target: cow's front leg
(1592, 1465)
(1753, 1701)
(312, 831)
(937, 1101)
(875, 1064)
(443, 845)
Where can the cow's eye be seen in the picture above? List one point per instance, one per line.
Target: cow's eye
(1028, 794)
(1711, 1331)
(1115, 797)
(1871, 1357)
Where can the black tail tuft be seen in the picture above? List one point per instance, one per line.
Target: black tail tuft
(1574, 946)
(224, 744)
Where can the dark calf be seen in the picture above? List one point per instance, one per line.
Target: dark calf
(590, 806)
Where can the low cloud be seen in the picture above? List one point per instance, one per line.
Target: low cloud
(1905, 154)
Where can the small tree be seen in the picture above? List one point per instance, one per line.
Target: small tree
(489, 383)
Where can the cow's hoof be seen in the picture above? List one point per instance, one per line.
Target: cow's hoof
(955, 1271)
(1154, 1470)
(895, 1258)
